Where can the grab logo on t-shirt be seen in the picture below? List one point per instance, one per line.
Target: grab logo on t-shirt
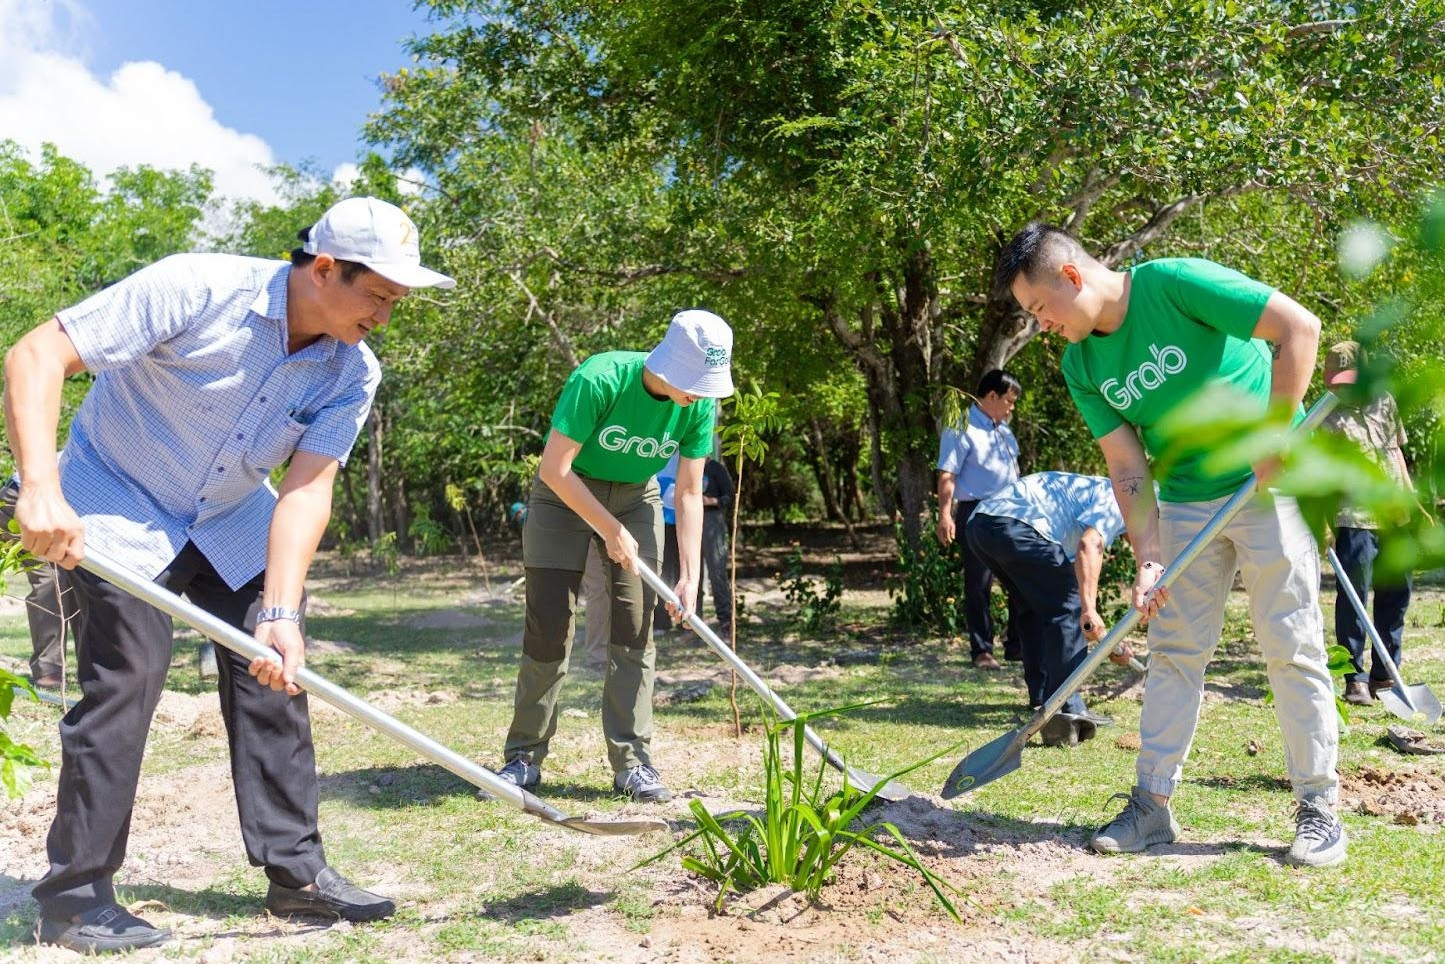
(1148, 376)
(614, 438)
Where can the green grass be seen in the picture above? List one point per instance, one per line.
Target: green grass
(482, 882)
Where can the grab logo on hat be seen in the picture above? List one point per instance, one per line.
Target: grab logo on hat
(716, 357)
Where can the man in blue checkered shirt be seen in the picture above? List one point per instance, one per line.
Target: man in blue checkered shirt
(210, 372)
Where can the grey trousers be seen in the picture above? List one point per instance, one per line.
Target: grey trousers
(1270, 544)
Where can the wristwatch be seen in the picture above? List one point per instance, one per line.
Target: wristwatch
(273, 613)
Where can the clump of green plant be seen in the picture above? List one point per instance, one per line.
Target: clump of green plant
(928, 588)
(816, 609)
(805, 829)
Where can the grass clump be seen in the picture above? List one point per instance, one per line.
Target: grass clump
(804, 831)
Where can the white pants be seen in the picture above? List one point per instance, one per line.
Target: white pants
(1269, 543)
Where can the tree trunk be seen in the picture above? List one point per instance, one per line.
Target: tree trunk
(818, 456)
(897, 345)
(374, 520)
(1002, 334)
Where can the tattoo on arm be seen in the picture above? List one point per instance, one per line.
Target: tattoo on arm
(1132, 484)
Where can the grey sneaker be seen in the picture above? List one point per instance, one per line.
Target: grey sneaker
(642, 784)
(521, 771)
(1143, 824)
(1319, 837)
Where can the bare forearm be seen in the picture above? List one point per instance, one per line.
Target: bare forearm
(296, 529)
(33, 380)
(689, 534)
(1088, 563)
(945, 492)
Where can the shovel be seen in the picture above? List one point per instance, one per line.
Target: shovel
(42, 696)
(1411, 703)
(239, 642)
(891, 790)
(1004, 754)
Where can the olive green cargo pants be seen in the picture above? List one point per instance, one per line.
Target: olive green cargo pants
(554, 552)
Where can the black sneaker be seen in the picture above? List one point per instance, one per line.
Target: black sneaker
(102, 930)
(642, 784)
(1319, 839)
(334, 896)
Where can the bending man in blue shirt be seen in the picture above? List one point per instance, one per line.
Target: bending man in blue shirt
(1045, 537)
(211, 370)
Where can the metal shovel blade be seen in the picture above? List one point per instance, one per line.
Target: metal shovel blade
(1413, 703)
(997, 758)
(328, 692)
(892, 790)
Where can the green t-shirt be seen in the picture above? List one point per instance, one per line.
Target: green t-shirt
(626, 434)
(1188, 326)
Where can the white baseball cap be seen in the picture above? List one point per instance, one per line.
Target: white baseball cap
(372, 232)
(695, 355)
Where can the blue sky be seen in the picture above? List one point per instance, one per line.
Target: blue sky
(228, 85)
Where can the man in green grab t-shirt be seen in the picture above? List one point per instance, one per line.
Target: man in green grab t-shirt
(1141, 342)
(621, 416)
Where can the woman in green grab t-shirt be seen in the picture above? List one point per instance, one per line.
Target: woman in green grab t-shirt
(621, 416)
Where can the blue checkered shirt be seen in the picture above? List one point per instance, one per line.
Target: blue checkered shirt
(983, 456)
(1059, 506)
(195, 401)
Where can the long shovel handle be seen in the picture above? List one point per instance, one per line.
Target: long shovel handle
(858, 778)
(1100, 653)
(239, 642)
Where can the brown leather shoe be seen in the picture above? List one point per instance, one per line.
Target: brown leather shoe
(1378, 686)
(1358, 693)
(985, 661)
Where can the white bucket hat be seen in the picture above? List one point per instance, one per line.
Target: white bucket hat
(695, 355)
(372, 232)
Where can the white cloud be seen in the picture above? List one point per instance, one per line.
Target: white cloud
(410, 183)
(141, 114)
(345, 175)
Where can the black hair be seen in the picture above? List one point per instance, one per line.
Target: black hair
(999, 382)
(350, 270)
(1037, 246)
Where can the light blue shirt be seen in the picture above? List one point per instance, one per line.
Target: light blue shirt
(983, 458)
(667, 486)
(195, 401)
(1060, 506)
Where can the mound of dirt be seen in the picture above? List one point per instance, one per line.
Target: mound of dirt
(1409, 797)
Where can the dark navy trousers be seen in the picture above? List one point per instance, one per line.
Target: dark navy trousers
(1357, 549)
(1038, 574)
